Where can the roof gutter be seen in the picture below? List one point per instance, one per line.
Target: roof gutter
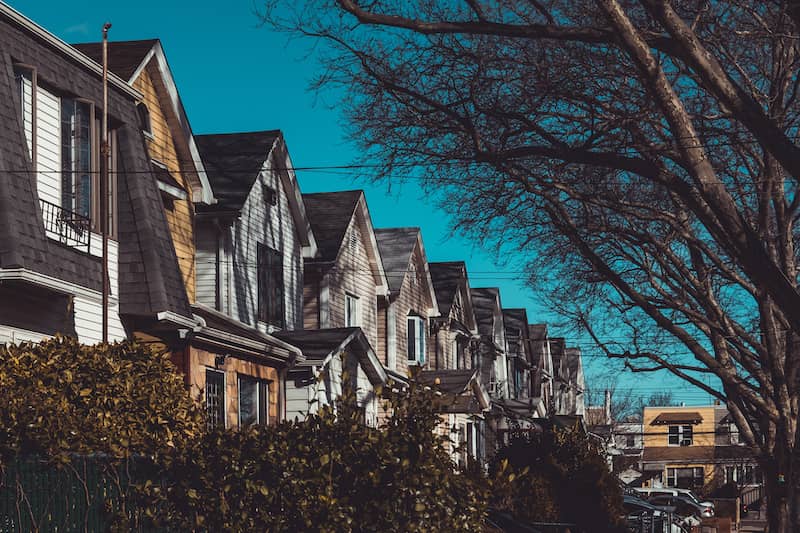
(72, 53)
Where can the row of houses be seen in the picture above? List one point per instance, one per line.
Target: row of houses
(272, 302)
(693, 447)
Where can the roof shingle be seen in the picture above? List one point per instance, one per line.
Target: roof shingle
(396, 246)
(330, 214)
(124, 57)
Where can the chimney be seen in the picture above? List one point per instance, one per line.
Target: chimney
(607, 407)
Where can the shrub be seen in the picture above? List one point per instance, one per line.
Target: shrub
(329, 473)
(557, 475)
(61, 397)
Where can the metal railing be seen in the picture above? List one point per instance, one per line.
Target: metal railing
(65, 226)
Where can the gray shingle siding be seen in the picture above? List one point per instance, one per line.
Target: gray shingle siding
(150, 279)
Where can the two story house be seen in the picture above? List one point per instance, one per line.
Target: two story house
(50, 266)
(342, 285)
(452, 366)
(690, 447)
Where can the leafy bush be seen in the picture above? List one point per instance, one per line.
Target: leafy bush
(329, 473)
(557, 475)
(61, 397)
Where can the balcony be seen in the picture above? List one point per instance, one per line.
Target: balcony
(66, 227)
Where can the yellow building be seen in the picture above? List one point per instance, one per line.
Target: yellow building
(694, 447)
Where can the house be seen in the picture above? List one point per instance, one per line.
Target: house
(542, 368)
(492, 361)
(50, 266)
(521, 407)
(453, 363)
(234, 367)
(404, 317)
(342, 285)
(692, 447)
(251, 244)
(575, 383)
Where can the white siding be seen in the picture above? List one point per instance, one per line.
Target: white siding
(89, 309)
(48, 146)
(16, 335)
(273, 226)
(206, 264)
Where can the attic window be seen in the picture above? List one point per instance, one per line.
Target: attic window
(271, 196)
(144, 118)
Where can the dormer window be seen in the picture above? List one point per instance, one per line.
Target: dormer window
(144, 118)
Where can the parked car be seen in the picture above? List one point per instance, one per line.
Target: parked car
(647, 492)
(691, 512)
(639, 512)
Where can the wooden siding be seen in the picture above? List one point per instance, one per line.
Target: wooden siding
(273, 226)
(352, 274)
(48, 146)
(444, 338)
(200, 360)
(161, 146)
(703, 434)
(206, 240)
(414, 298)
(310, 300)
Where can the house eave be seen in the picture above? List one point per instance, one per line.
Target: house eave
(72, 53)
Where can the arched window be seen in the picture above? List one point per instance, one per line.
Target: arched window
(144, 118)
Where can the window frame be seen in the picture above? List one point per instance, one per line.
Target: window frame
(352, 310)
(419, 339)
(684, 435)
(262, 389)
(32, 71)
(213, 422)
(271, 290)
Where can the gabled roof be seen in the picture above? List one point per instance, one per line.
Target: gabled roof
(124, 57)
(233, 162)
(319, 345)
(330, 214)
(537, 332)
(516, 322)
(486, 305)
(397, 249)
(447, 278)
(396, 246)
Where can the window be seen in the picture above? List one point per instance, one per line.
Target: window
(215, 398)
(253, 401)
(77, 155)
(25, 78)
(352, 311)
(144, 118)
(685, 478)
(416, 339)
(63, 139)
(630, 441)
(270, 286)
(458, 354)
(680, 436)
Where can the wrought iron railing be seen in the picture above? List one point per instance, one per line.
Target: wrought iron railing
(66, 227)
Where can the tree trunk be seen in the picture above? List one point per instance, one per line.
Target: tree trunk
(780, 491)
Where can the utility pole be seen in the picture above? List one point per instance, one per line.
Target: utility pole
(104, 164)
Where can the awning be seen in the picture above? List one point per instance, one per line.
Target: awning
(663, 419)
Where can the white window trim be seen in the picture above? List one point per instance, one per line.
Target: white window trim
(681, 435)
(350, 320)
(258, 381)
(419, 348)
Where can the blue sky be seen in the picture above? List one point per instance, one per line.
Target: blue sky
(234, 75)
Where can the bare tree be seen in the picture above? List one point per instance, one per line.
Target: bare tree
(642, 153)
